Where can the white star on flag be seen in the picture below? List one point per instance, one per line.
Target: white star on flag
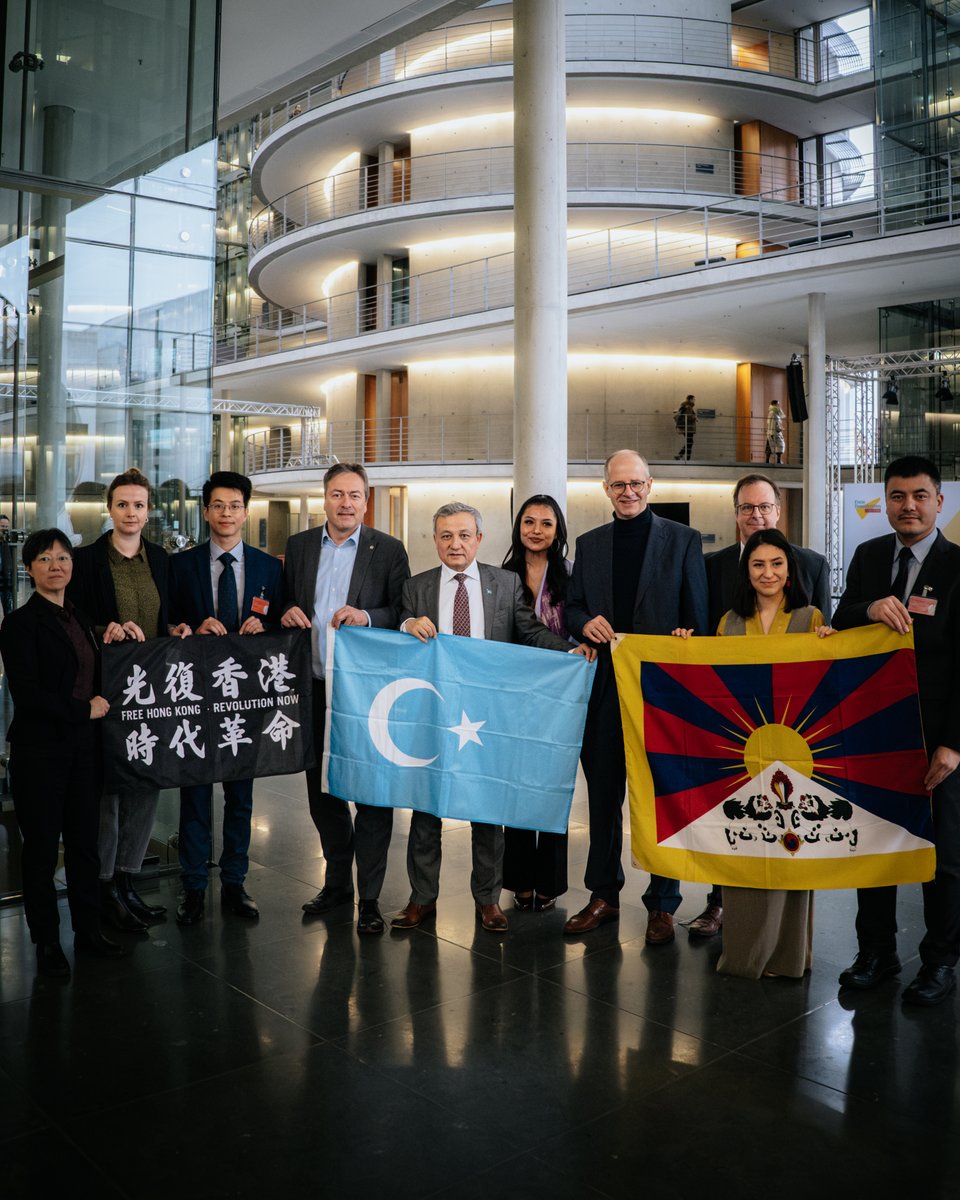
(466, 731)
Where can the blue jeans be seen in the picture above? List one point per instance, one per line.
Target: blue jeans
(196, 834)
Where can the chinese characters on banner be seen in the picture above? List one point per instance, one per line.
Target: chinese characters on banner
(207, 709)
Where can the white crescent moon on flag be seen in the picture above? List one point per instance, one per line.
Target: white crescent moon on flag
(378, 721)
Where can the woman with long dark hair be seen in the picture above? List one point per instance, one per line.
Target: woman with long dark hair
(535, 864)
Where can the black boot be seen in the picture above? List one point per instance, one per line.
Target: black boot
(114, 912)
(134, 902)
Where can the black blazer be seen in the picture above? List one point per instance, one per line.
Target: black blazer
(937, 638)
(41, 665)
(723, 566)
(91, 588)
(191, 591)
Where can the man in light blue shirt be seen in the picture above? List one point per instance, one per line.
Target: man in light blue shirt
(344, 573)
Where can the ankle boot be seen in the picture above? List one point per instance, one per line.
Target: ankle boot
(115, 912)
(134, 902)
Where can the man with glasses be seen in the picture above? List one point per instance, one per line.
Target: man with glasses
(221, 586)
(756, 505)
(344, 573)
(638, 574)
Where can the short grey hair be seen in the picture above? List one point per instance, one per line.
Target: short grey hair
(455, 507)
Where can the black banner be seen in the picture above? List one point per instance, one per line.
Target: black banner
(204, 709)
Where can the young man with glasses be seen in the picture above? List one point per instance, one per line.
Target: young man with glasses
(221, 586)
(637, 574)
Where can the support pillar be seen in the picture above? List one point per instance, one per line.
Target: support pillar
(815, 448)
(540, 251)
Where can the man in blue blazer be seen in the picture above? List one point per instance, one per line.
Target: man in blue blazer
(221, 586)
(639, 574)
(911, 578)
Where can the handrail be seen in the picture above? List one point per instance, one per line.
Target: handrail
(916, 193)
(597, 37)
(488, 438)
(591, 166)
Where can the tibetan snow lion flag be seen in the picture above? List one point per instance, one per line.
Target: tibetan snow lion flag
(457, 727)
(786, 761)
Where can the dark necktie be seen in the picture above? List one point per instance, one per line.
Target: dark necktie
(904, 559)
(461, 608)
(227, 612)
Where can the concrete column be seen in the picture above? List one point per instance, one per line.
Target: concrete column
(226, 449)
(278, 525)
(51, 386)
(385, 157)
(540, 250)
(815, 455)
(304, 517)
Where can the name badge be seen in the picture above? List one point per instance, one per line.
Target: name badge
(923, 606)
(261, 606)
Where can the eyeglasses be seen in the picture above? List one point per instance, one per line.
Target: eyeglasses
(619, 486)
(60, 559)
(218, 507)
(745, 510)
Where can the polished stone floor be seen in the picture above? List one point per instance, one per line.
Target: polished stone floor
(287, 1058)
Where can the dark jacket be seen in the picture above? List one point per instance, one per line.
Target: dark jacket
(191, 592)
(91, 588)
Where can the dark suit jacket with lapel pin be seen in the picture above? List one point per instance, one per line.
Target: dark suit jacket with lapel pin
(191, 590)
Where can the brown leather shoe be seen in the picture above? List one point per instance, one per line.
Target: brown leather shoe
(413, 915)
(708, 924)
(491, 917)
(597, 912)
(659, 928)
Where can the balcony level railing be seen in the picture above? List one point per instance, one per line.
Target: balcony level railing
(914, 196)
(595, 37)
(591, 167)
(488, 439)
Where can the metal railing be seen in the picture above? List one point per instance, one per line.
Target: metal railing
(488, 439)
(597, 37)
(735, 230)
(591, 167)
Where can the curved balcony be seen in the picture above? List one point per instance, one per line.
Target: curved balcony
(612, 168)
(594, 37)
(487, 439)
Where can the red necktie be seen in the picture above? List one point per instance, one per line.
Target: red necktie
(461, 608)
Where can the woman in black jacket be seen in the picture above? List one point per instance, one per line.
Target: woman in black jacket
(53, 671)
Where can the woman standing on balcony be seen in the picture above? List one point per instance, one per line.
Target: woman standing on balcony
(685, 419)
(535, 864)
(776, 443)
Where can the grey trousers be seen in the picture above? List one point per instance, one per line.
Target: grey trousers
(424, 853)
(126, 823)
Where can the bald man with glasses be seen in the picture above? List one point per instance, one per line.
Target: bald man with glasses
(637, 574)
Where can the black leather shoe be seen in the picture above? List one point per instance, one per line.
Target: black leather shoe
(369, 917)
(234, 896)
(93, 942)
(114, 912)
(327, 898)
(931, 986)
(51, 961)
(190, 908)
(134, 902)
(869, 969)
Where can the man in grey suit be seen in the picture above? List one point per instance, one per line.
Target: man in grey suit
(344, 574)
(639, 574)
(469, 599)
(756, 505)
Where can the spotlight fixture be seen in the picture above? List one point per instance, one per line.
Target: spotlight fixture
(943, 394)
(891, 396)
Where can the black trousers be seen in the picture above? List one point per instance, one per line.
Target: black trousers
(56, 793)
(877, 907)
(341, 837)
(605, 768)
(534, 862)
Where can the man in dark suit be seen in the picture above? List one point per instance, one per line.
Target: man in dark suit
(756, 505)
(469, 599)
(639, 574)
(344, 574)
(221, 586)
(912, 578)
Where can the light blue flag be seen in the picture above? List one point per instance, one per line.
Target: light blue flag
(458, 727)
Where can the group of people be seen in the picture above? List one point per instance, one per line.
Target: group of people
(638, 573)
